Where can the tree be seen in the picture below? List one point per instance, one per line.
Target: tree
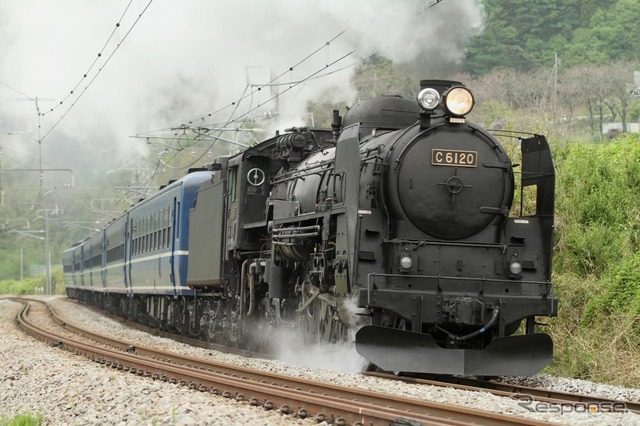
(618, 31)
(522, 35)
(527, 34)
(588, 80)
(380, 76)
(611, 34)
(620, 83)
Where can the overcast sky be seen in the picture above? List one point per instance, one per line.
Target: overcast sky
(185, 59)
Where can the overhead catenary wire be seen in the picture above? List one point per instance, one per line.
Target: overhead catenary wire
(205, 131)
(275, 96)
(547, 20)
(276, 78)
(297, 83)
(236, 105)
(288, 83)
(93, 63)
(504, 12)
(99, 69)
(18, 155)
(429, 7)
(17, 91)
(257, 88)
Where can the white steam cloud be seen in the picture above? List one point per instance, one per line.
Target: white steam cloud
(184, 60)
(341, 356)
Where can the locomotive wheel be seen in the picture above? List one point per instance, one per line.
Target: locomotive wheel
(319, 324)
(315, 324)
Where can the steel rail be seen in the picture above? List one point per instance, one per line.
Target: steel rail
(496, 388)
(363, 407)
(509, 390)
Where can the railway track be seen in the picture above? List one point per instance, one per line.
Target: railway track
(173, 336)
(508, 390)
(515, 391)
(301, 398)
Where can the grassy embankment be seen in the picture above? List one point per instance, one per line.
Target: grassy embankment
(597, 262)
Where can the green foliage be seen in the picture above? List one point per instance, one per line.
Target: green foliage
(22, 420)
(378, 76)
(321, 108)
(575, 292)
(16, 255)
(528, 35)
(598, 222)
(34, 285)
(617, 30)
(576, 362)
(622, 292)
(518, 35)
(634, 111)
(589, 343)
(597, 261)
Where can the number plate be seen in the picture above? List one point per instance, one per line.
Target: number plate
(454, 158)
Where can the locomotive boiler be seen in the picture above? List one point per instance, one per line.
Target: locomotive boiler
(395, 229)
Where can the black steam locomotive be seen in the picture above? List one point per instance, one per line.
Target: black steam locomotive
(394, 229)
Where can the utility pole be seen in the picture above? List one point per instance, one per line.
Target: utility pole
(556, 65)
(36, 101)
(275, 92)
(1, 188)
(47, 252)
(45, 215)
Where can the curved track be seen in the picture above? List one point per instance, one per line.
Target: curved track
(299, 397)
(514, 391)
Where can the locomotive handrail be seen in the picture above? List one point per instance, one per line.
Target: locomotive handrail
(294, 236)
(440, 243)
(300, 228)
(446, 277)
(307, 171)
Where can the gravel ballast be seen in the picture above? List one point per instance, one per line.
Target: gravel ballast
(68, 389)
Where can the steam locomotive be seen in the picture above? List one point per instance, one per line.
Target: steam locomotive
(393, 229)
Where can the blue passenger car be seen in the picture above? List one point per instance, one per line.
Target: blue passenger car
(144, 251)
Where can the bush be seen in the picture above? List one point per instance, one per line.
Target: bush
(597, 218)
(34, 285)
(597, 262)
(622, 294)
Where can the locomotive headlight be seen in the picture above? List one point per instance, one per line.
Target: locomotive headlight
(428, 99)
(406, 262)
(458, 101)
(515, 268)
